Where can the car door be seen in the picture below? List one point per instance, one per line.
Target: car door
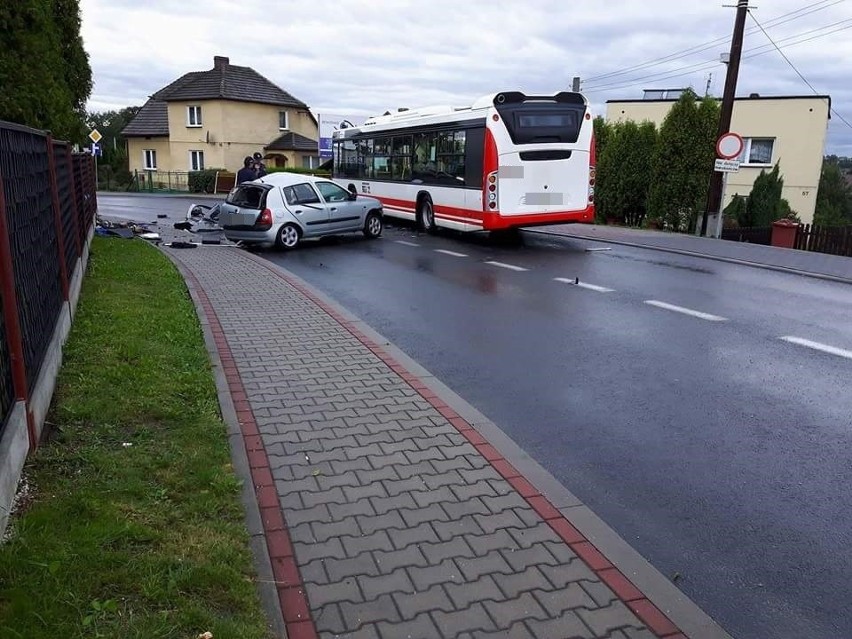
(307, 208)
(345, 214)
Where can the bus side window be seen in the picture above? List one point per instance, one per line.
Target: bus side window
(425, 153)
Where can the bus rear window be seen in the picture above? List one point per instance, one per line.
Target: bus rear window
(542, 121)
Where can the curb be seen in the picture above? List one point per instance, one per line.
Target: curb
(718, 258)
(678, 618)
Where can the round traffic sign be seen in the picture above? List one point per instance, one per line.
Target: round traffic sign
(729, 146)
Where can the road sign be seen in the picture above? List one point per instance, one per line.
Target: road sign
(97, 151)
(95, 136)
(727, 166)
(729, 146)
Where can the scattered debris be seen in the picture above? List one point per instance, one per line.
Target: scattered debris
(676, 576)
(206, 635)
(127, 444)
(162, 216)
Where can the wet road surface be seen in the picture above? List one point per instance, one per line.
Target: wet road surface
(702, 409)
(659, 390)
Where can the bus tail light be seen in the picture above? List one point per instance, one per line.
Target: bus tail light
(592, 165)
(491, 192)
(489, 174)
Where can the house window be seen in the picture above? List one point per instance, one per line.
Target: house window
(283, 121)
(757, 151)
(196, 160)
(193, 116)
(149, 159)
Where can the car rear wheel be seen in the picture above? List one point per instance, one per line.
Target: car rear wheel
(373, 226)
(288, 237)
(426, 215)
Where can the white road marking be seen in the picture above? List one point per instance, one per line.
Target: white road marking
(407, 243)
(591, 287)
(511, 267)
(453, 253)
(686, 311)
(589, 250)
(825, 348)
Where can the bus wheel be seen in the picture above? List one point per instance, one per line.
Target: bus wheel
(426, 215)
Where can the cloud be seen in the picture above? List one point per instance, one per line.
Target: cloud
(350, 56)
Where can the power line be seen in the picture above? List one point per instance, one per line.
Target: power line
(779, 20)
(799, 73)
(754, 49)
(707, 64)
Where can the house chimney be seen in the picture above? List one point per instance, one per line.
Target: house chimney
(220, 62)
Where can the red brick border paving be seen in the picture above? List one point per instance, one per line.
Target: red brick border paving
(291, 592)
(288, 580)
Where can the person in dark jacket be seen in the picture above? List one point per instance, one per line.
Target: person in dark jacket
(259, 166)
(247, 173)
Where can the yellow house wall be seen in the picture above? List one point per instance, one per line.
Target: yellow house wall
(250, 127)
(230, 131)
(137, 146)
(798, 126)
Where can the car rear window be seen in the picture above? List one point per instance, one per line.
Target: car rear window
(248, 196)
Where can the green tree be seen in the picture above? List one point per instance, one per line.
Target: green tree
(625, 172)
(683, 162)
(834, 198)
(44, 70)
(764, 201)
(603, 132)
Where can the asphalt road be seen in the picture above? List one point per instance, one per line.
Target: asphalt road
(659, 391)
(718, 450)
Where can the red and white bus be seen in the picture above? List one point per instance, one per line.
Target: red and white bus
(508, 161)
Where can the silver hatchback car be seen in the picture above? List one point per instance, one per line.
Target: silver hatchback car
(280, 209)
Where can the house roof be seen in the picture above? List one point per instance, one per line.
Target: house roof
(224, 81)
(292, 142)
(152, 120)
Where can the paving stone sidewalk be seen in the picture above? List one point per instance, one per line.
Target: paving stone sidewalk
(399, 520)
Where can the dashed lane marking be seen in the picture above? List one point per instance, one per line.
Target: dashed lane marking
(686, 311)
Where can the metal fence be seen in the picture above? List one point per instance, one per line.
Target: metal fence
(751, 234)
(47, 207)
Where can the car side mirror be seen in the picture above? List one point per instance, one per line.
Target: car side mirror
(353, 195)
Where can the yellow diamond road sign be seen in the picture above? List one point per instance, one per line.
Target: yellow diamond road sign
(95, 136)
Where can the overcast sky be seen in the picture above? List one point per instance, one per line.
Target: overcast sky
(361, 58)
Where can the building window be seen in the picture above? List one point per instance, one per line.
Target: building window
(283, 121)
(149, 159)
(757, 151)
(193, 116)
(196, 160)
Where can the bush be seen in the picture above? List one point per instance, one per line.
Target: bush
(683, 162)
(624, 172)
(203, 181)
(764, 202)
(298, 169)
(736, 209)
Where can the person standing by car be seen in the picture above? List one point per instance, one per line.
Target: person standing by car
(259, 166)
(247, 173)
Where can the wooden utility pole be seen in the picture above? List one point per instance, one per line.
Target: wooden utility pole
(714, 196)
